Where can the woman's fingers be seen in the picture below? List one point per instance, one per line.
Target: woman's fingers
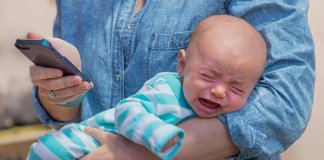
(62, 89)
(68, 91)
(101, 136)
(60, 83)
(40, 73)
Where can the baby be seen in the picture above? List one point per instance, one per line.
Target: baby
(225, 58)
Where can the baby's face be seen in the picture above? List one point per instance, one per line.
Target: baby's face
(217, 80)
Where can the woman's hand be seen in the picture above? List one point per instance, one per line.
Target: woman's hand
(64, 88)
(115, 147)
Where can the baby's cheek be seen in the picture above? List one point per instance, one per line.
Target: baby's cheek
(238, 103)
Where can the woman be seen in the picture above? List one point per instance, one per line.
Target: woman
(122, 44)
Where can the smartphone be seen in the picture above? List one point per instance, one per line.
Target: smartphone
(42, 53)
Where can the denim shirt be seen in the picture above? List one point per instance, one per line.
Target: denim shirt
(119, 52)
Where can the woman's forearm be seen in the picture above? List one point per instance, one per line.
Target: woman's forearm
(206, 139)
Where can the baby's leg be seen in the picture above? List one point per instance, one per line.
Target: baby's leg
(70, 142)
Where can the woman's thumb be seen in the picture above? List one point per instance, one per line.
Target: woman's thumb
(97, 134)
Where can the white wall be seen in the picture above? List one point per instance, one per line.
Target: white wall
(17, 17)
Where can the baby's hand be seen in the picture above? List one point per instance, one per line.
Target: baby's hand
(170, 144)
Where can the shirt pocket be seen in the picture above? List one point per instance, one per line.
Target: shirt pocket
(163, 51)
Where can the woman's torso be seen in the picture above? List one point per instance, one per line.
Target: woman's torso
(119, 51)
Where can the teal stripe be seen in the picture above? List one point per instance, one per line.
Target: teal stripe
(73, 137)
(100, 118)
(176, 86)
(77, 141)
(143, 100)
(149, 131)
(55, 147)
(176, 97)
(170, 118)
(32, 155)
(121, 116)
(163, 99)
(109, 127)
(132, 126)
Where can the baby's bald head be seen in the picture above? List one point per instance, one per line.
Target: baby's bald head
(231, 36)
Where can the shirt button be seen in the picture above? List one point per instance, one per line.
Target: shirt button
(118, 77)
(131, 26)
(170, 42)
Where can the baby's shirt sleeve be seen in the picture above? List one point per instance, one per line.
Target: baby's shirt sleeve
(149, 117)
(68, 143)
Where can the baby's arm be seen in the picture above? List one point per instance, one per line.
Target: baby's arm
(70, 142)
(136, 120)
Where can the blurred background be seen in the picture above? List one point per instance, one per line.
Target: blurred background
(19, 125)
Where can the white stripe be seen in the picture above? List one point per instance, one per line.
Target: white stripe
(158, 80)
(145, 88)
(91, 122)
(164, 88)
(110, 115)
(175, 110)
(42, 151)
(133, 113)
(141, 127)
(68, 144)
(126, 106)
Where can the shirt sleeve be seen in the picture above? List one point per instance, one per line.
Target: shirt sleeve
(44, 117)
(279, 108)
(136, 119)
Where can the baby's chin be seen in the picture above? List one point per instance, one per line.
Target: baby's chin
(207, 116)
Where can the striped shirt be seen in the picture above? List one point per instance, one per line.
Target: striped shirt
(148, 118)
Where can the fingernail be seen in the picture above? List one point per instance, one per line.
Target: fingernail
(76, 81)
(86, 130)
(85, 86)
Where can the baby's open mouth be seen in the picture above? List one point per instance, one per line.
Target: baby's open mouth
(209, 104)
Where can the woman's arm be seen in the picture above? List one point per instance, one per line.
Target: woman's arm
(205, 138)
(279, 108)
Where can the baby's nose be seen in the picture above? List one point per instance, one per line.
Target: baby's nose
(218, 91)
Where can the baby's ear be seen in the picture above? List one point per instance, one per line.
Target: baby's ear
(181, 62)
